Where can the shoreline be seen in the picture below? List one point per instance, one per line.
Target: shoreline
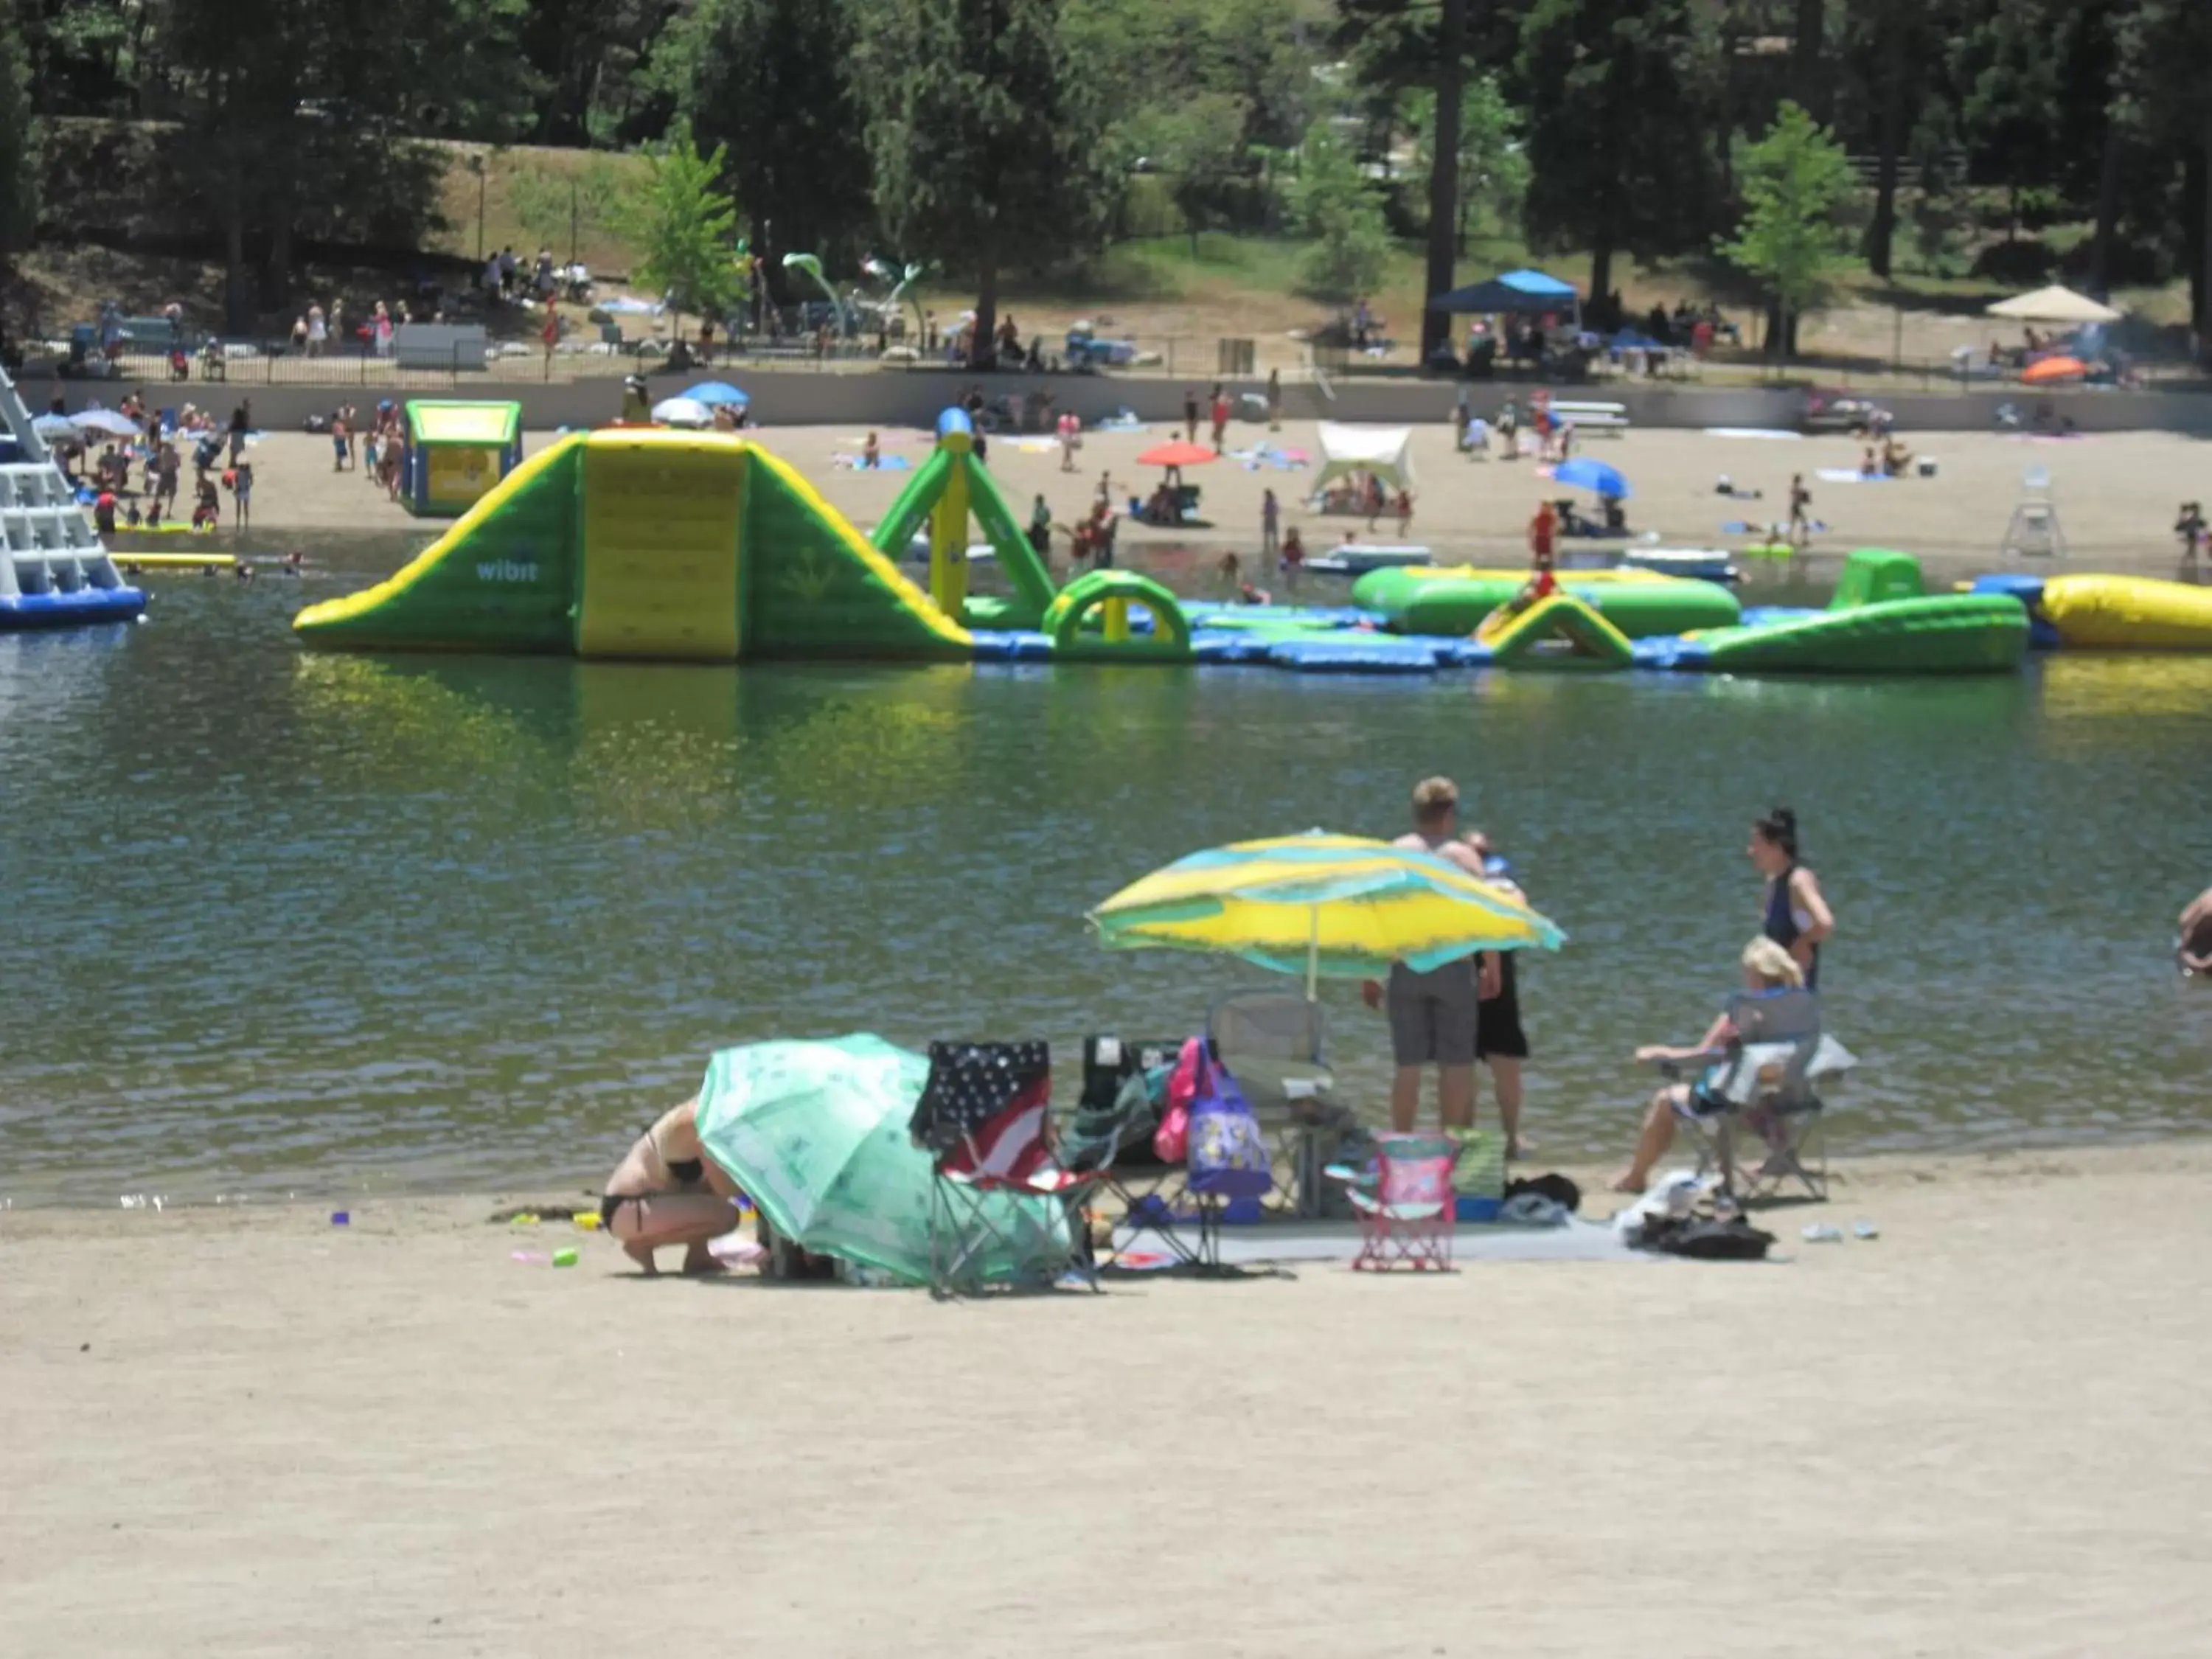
(1875, 1172)
(240, 1432)
(2112, 490)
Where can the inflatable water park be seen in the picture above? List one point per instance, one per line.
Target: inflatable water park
(53, 571)
(648, 544)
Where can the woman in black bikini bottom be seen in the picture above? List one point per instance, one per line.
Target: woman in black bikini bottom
(667, 1191)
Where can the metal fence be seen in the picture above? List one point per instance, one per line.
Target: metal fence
(1198, 361)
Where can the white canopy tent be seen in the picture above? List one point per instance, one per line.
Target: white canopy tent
(2055, 304)
(1384, 451)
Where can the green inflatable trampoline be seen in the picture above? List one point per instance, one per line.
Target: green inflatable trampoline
(1453, 600)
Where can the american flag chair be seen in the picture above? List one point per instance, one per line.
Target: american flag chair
(985, 1120)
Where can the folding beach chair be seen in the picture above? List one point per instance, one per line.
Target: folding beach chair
(1767, 1081)
(1271, 1042)
(1405, 1203)
(985, 1120)
(1115, 1118)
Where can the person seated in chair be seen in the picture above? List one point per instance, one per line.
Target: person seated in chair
(1572, 523)
(1162, 506)
(1767, 968)
(667, 1191)
(1616, 518)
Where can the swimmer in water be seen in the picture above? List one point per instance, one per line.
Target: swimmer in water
(2194, 951)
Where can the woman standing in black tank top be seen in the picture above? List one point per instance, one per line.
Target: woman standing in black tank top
(1796, 916)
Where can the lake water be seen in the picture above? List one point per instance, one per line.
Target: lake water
(278, 922)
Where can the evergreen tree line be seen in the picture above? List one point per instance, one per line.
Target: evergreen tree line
(997, 137)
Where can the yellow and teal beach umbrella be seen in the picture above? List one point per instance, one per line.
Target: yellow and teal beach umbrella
(1320, 903)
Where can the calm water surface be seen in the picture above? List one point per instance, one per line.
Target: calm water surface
(276, 922)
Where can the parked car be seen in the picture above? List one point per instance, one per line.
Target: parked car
(1086, 351)
(1828, 411)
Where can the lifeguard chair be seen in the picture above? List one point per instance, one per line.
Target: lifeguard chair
(2034, 532)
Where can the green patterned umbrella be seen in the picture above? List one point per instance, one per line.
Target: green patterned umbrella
(814, 1132)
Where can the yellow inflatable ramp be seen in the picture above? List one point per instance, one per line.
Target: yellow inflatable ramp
(2128, 613)
(1559, 630)
(660, 576)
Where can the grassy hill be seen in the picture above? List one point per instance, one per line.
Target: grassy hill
(1176, 295)
(525, 197)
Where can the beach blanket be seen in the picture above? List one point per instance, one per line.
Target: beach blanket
(1850, 475)
(1774, 433)
(884, 462)
(1120, 420)
(1267, 455)
(1339, 1241)
(1745, 527)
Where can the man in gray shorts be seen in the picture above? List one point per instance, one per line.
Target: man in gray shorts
(1433, 1015)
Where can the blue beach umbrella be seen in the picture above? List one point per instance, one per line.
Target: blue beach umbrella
(1596, 476)
(713, 393)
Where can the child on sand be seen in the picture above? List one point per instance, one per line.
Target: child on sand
(2188, 528)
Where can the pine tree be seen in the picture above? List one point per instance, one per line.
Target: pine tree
(772, 81)
(1620, 101)
(19, 179)
(984, 135)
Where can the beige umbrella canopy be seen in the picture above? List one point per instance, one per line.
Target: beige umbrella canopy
(2054, 304)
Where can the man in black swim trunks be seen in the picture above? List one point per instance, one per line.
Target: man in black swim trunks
(1499, 1041)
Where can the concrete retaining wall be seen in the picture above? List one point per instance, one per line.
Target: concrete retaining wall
(799, 397)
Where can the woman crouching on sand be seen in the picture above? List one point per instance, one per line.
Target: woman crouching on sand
(667, 1191)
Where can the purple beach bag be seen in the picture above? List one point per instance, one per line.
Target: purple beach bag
(1228, 1154)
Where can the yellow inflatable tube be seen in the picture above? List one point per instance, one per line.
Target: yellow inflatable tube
(2128, 613)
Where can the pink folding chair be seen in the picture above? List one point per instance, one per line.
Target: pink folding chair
(1405, 1204)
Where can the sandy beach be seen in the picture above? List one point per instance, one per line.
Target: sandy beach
(2115, 493)
(248, 1432)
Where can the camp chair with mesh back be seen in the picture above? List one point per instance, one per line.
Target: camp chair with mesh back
(1118, 1113)
(985, 1120)
(1766, 1083)
(1271, 1042)
(1405, 1203)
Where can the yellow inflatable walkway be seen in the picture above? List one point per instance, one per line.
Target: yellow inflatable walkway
(1557, 630)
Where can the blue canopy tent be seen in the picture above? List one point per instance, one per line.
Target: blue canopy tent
(1526, 292)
